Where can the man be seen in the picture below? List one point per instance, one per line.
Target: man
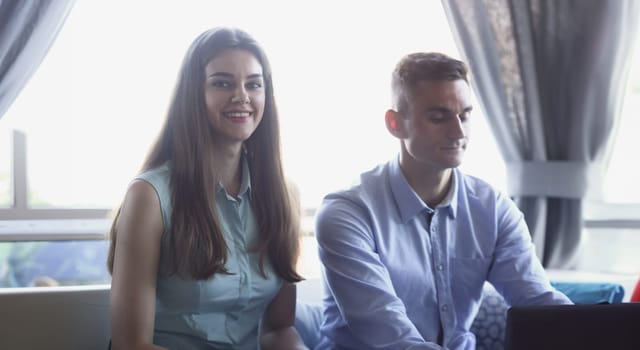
(407, 251)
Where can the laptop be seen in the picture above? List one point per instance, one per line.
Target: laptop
(55, 318)
(567, 327)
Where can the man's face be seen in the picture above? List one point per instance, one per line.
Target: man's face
(436, 123)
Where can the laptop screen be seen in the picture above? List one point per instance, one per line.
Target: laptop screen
(593, 326)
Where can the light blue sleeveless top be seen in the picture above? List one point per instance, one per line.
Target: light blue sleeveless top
(222, 312)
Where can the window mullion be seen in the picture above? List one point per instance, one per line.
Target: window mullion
(19, 171)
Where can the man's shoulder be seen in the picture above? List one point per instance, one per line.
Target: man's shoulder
(481, 194)
(367, 181)
(476, 186)
(361, 195)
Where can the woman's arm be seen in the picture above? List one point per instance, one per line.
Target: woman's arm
(278, 331)
(135, 267)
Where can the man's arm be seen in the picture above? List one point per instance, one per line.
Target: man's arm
(360, 282)
(516, 271)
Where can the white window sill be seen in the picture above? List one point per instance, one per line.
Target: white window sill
(54, 230)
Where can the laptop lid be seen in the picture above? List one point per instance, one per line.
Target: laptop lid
(565, 327)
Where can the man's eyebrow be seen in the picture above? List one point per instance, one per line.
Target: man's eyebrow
(447, 110)
(229, 75)
(439, 109)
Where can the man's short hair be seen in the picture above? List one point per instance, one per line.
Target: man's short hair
(421, 66)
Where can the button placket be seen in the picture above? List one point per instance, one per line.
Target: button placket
(439, 257)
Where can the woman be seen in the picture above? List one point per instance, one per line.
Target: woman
(205, 242)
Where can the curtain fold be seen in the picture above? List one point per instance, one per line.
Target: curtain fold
(27, 31)
(550, 76)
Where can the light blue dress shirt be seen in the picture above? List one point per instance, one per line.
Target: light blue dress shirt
(392, 281)
(222, 312)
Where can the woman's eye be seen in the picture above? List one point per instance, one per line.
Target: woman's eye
(220, 84)
(254, 85)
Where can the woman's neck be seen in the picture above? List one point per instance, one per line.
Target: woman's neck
(227, 168)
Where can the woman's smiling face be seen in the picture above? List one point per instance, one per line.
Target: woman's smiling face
(234, 95)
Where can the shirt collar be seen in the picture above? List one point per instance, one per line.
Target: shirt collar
(409, 203)
(245, 186)
(451, 199)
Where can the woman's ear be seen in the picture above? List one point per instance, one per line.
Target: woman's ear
(394, 123)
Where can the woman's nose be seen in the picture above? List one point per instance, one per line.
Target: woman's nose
(240, 96)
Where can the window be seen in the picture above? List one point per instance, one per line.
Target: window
(612, 229)
(5, 166)
(49, 263)
(621, 179)
(103, 89)
(620, 203)
(93, 108)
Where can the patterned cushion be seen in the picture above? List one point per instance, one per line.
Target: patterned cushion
(489, 325)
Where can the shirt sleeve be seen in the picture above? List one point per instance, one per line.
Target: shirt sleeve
(516, 271)
(360, 282)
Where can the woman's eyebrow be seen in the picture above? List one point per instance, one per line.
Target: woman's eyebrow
(229, 75)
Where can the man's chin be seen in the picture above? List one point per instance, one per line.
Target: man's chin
(453, 162)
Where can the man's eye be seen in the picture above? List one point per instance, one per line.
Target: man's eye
(437, 117)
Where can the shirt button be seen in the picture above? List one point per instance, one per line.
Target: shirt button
(445, 307)
(440, 267)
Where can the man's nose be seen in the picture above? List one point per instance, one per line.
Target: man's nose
(457, 128)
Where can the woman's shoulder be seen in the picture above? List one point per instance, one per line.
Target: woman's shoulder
(162, 171)
(141, 191)
(158, 177)
(154, 184)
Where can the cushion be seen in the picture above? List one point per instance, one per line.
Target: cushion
(490, 323)
(590, 292)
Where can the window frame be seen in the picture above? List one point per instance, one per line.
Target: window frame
(597, 213)
(19, 222)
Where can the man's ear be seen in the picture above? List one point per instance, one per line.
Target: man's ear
(393, 120)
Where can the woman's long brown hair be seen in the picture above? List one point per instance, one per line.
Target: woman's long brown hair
(196, 242)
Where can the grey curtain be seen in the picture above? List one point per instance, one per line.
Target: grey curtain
(27, 30)
(549, 75)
